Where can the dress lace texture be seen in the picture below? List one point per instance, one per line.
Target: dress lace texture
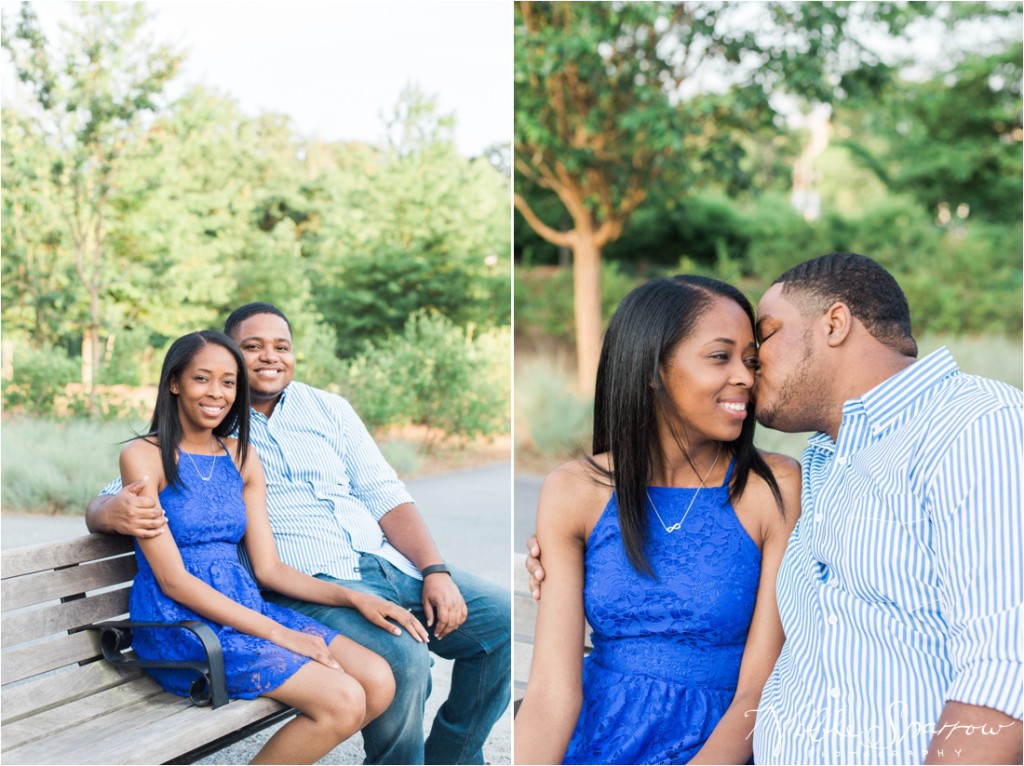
(666, 652)
(207, 519)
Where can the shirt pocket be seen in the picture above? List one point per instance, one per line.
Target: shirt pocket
(884, 541)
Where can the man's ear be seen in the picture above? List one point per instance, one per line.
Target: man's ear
(838, 322)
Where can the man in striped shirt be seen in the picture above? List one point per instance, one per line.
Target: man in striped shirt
(900, 592)
(340, 513)
(901, 588)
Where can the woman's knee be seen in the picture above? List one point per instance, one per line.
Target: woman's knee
(342, 707)
(379, 687)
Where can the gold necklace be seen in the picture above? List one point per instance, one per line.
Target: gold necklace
(686, 513)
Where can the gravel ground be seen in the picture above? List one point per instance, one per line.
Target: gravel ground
(469, 514)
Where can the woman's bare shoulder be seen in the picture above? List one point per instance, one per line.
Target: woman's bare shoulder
(576, 490)
(786, 471)
(142, 447)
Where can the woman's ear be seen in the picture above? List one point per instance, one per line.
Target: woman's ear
(174, 387)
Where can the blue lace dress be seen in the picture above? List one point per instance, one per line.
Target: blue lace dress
(666, 652)
(207, 519)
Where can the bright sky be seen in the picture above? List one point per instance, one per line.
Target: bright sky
(336, 67)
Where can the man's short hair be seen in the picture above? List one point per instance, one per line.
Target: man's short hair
(242, 313)
(871, 293)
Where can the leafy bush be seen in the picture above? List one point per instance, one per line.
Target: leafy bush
(39, 377)
(958, 280)
(703, 228)
(435, 374)
(779, 238)
(544, 299)
(377, 291)
(558, 419)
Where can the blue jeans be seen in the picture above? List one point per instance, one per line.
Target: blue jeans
(481, 648)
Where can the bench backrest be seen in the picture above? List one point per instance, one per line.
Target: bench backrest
(49, 592)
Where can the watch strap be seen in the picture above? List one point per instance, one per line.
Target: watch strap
(434, 568)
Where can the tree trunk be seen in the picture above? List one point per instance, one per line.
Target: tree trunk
(91, 349)
(586, 278)
(88, 357)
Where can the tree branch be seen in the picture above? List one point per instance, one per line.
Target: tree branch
(552, 235)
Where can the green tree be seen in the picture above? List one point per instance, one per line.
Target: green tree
(953, 139)
(415, 226)
(91, 100)
(614, 99)
(37, 273)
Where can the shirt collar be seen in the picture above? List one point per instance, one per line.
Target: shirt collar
(280, 401)
(884, 403)
(888, 399)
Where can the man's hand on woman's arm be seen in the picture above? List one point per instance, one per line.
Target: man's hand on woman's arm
(126, 513)
(533, 566)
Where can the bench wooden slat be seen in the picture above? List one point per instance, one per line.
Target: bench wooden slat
(61, 687)
(37, 558)
(56, 583)
(160, 731)
(522, 657)
(525, 615)
(55, 720)
(31, 659)
(36, 623)
(524, 625)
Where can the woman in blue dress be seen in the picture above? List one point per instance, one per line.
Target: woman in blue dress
(667, 540)
(213, 491)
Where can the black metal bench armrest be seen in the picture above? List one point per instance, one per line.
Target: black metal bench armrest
(211, 686)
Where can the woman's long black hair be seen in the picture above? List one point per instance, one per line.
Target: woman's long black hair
(166, 425)
(630, 397)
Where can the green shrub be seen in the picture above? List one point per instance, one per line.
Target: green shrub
(40, 375)
(779, 238)
(435, 374)
(374, 293)
(58, 467)
(558, 418)
(704, 229)
(544, 299)
(403, 456)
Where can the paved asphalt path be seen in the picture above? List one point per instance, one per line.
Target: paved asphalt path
(468, 515)
(525, 510)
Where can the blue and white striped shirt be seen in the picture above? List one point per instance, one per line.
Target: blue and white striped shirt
(901, 586)
(328, 485)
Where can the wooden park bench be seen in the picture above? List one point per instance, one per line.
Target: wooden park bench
(61, 701)
(524, 610)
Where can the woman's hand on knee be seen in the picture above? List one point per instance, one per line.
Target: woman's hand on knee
(307, 645)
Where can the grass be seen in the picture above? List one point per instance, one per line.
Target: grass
(58, 466)
(54, 466)
(552, 420)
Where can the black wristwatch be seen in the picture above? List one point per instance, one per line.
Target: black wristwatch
(434, 569)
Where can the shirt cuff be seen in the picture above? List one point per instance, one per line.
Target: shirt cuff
(382, 500)
(991, 683)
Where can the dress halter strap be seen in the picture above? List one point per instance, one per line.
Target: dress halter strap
(728, 473)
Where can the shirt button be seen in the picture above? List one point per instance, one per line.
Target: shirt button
(832, 619)
(841, 461)
(834, 692)
(819, 516)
